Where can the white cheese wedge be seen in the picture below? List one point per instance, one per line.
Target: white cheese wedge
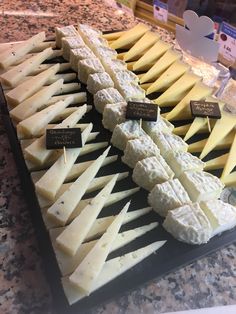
(151, 56)
(69, 43)
(87, 272)
(96, 41)
(201, 186)
(11, 55)
(86, 31)
(52, 180)
(31, 86)
(139, 149)
(103, 52)
(62, 209)
(170, 76)
(130, 90)
(79, 98)
(145, 42)
(198, 92)
(99, 81)
(126, 131)
(65, 31)
(89, 66)
(70, 239)
(124, 76)
(230, 180)
(106, 96)
(35, 102)
(167, 143)
(15, 74)
(68, 264)
(178, 90)
(188, 224)
(183, 161)
(67, 77)
(113, 65)
(130, 36)
(69, 87)
(167, 196)
(222, 216)
(154, 128)
(79, 54)
(114, 114)
(111, 270)
(151, 171)
(160, 66)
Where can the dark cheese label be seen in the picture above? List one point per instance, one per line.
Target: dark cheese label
(141, 110)
(59, 138)
(205, 109)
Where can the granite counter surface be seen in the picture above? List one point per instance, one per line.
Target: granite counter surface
(210, 281)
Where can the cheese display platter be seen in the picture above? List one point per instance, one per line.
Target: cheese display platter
(130, 200)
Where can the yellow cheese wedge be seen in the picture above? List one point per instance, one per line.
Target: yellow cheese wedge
(224, 143)
(183, 129)
(222, 128)
(178, 90)
(216, 163)
(145, 42)
(171, 75)
(161, 65)
(130, 36)
(231, 161)
(113, 36)
(230, 180)
(198, 92)
(152, 55)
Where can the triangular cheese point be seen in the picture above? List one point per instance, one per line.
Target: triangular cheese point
(70, 239)
(113, 36)
(17, 73)
(145, 42)
(13, 54)
(216, 163)
(198, 92)
(230, 180)
(222, 128)
(85, 275)
(52, 180)
(178, 90)
(30, 86)
(171, 75)
(231, 161)
(62, 209)
(130, 36)
(152, 55)
(160, 66)
(111, 270)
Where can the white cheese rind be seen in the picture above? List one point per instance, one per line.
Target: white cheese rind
(69, 43)
(65, 31)
(99, 81)
(114, 114)
(154, 128)
(130, 90)
(79, 54)
(106, 96)
(89, 66)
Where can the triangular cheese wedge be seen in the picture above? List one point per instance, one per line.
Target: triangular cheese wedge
(62, 209)
(222, 128)
(87, 272)
(216, 163)
(130, 36)
(171, 75)
(151, 55)
(79, 98)
(231, 161)
(113, 36)
(198, 92)
(70, 239)
(178, 90)
(111, 270)
(145, 42)
(160, 66)
(230, 180)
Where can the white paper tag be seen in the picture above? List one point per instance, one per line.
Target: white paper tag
(227, 41)
(160, 10)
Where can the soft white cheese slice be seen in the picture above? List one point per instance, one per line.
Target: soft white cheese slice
(69, 43)
(130, 90)
(65, 31)
(78, 54)
(114, 114)
(99, 81)
(89, 66)
(103, 52)
(124, 76)
(113, 65)
(154, 128)
(106, 96)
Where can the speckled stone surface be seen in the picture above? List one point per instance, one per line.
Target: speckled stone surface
(208, 282)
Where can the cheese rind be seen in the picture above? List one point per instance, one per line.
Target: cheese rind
(69, 43)
(106, 96)
(99, 81)
(114, 114)
(79, 54)
(65, 31)
(154, 128)
(89, 66)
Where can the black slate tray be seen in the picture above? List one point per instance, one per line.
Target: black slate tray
(170, 257)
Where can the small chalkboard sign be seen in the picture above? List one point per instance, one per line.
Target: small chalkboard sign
(63, 138)
(205, 109)
(140, 110)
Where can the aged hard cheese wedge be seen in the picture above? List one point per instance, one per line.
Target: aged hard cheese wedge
(130, 36)
(14, 76)
(160, 66)
(70, 239)
(230, 180)
(68, 264)
(113, 36)
(216, 163)
(52, 180)
(145, 42)
(172, 74)
(178, 90)
(231, 161)
(87, 272)
(13, 54)
(151, 55)
(31, 86)
(198, 92)
(111, 270)
(62, 209)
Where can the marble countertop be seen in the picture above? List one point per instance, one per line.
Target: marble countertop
(210, 281)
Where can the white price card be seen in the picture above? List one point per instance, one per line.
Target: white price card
(227, 41)
(160, 10)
